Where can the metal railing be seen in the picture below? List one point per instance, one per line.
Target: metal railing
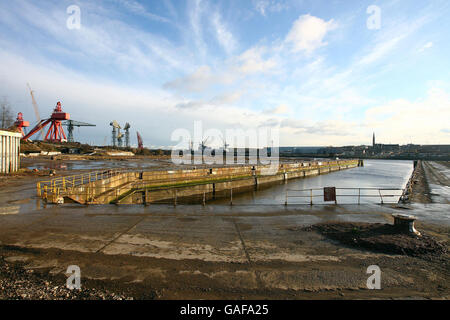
(67, 184)
(359, 193)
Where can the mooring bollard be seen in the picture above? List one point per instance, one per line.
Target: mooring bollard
(405, 223)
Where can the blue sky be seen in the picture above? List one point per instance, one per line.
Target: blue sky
(313, 69)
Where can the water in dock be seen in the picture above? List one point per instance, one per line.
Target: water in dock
(379, 174)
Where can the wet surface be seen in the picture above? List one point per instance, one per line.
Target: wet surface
(375, 174)
(217, 251)
(438, 177)
(87, 165)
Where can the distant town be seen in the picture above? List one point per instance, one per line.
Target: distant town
(374, 151)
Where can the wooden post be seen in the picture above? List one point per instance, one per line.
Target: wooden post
(311, 196)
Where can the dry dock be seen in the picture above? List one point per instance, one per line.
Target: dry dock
(207, 252)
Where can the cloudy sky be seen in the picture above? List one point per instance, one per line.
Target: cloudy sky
(313, 69)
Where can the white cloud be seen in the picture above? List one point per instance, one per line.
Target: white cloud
(251, 61)
(264, 6)
(224, 36)
(422, 121)
(198, 81)
(280, 109)
(308, 32)
(428, 45)
(139, 9)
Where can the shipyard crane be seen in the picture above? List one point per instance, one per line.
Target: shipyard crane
(203, 145)
(56, 132)
(119, 139)
(127, 134)
(225, 144)
(36, 109)
(116, 127)
(140, 142)
(70, 124)
(20, 123)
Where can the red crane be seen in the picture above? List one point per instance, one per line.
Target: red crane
(20, 123)
(140, 142)
(55, 132)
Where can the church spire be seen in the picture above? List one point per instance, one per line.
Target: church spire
(373, 140)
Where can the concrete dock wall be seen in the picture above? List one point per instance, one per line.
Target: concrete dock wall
(150, 186)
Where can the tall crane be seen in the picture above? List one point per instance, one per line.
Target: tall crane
(36, 110)
(70, 124)
(20, 123)
(127, 134)
(116, 127)
(203, 145)
(119, 139)
(140, 142)
(55, 133)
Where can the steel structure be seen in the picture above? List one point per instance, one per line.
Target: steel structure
(55, 132)
(36, 109)
(116, 127)
(70, 124)
(140, 142)
(20, 123)
(127, 134)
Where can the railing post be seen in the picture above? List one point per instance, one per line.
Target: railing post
(359, 195)
(286, 201)
(381, 197)
(311, 196)
(231, 196)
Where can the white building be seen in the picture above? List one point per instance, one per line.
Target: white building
(9, 151)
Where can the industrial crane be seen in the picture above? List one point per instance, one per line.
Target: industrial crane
(20, 123)
(70, 124)
(116, 127)
(203, 145)
(119, 139)
(36, 110)
(127, 134)
(56, 131)
(140, 142)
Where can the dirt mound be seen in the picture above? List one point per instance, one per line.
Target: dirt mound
(379, 237)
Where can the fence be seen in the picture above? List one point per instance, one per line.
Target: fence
(64, 185)
(357, 195)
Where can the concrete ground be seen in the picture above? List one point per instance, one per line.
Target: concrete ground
(195, 252)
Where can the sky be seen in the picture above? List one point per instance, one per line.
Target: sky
(322, 72)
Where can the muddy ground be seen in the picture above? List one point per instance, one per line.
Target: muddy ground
(27, 274)
(420, 189)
